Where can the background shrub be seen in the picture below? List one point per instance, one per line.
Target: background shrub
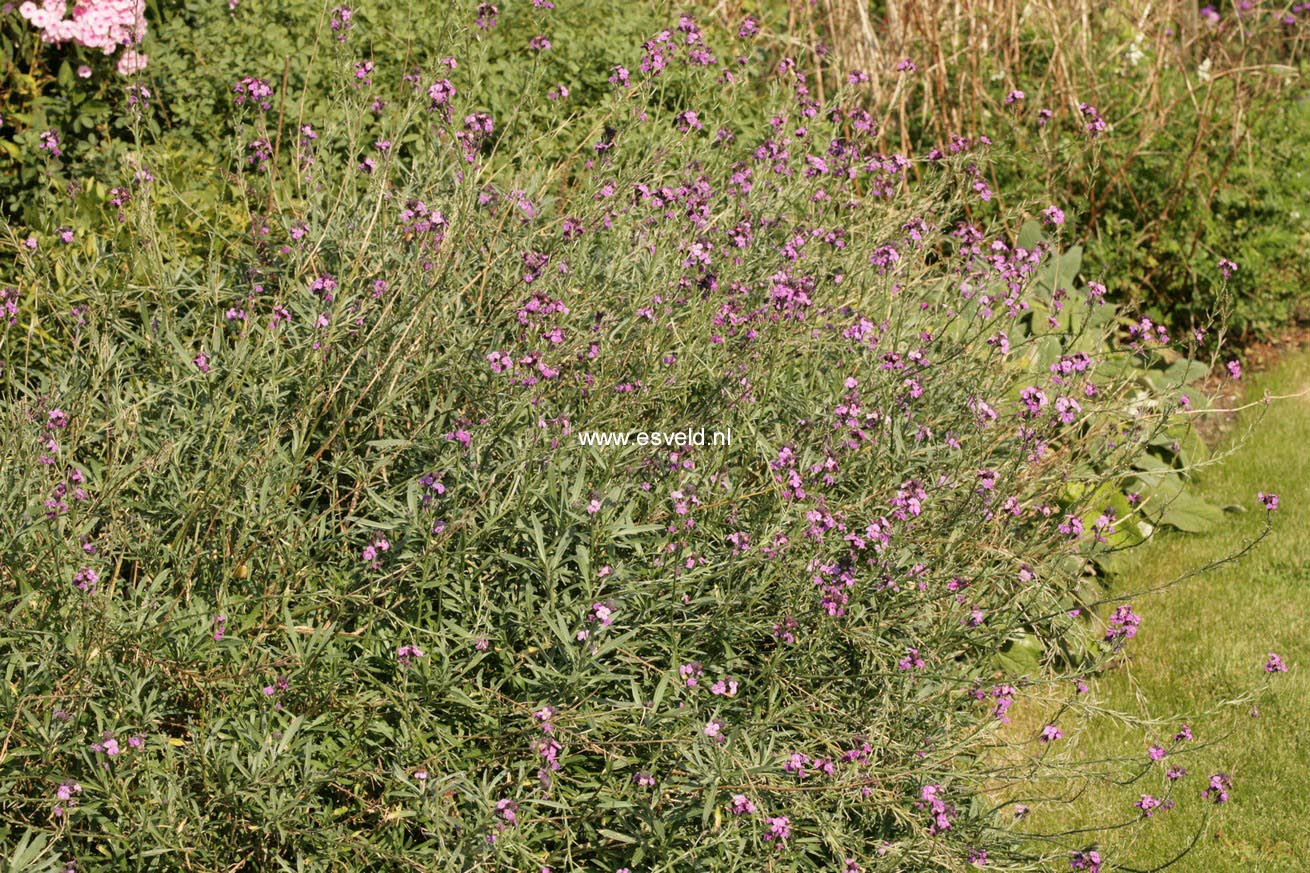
(1169, 131)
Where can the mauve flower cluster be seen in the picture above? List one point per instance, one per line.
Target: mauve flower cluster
(407, 655)
(109, 745)
(1086, 859)
(1217, 790)
(66, 795)
(942, 812)
(255, 90)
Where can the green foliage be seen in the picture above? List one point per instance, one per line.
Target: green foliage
(41, 91)
(1243, 202)
(1171, 139)
(305, 564)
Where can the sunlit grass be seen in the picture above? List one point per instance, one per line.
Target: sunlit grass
(1204, 641)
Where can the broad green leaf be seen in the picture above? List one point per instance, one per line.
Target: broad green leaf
(1021, 655)
(1192, 514)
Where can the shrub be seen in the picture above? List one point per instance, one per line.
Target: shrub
(306, 560)
(1170, 131)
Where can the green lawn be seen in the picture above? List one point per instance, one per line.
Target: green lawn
(1204, 641)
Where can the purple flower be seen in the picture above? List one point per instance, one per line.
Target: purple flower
(261, 152)
(942, 812)
(1234, 369)
(688, 120)
(1051, 733)
(1095, 124)
(1067, 409)
(539, 43)
(1227, 268)
(741, 805)
(1270, 501)
(440, 93)
(1087, 859)
(257, 91)
(406, 655)
(1217, 791)
(779, 829)
(341, 21)
(549, 751)
(281, 684)
(86, 579)
(1004, 696)
(603, 613)
(1123, 624)
(884, 258)
(1054, 216)
(50, 142)
(911, 661)
(724, 688)
(1274, 664)
(373, 550)
(1147, 805)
